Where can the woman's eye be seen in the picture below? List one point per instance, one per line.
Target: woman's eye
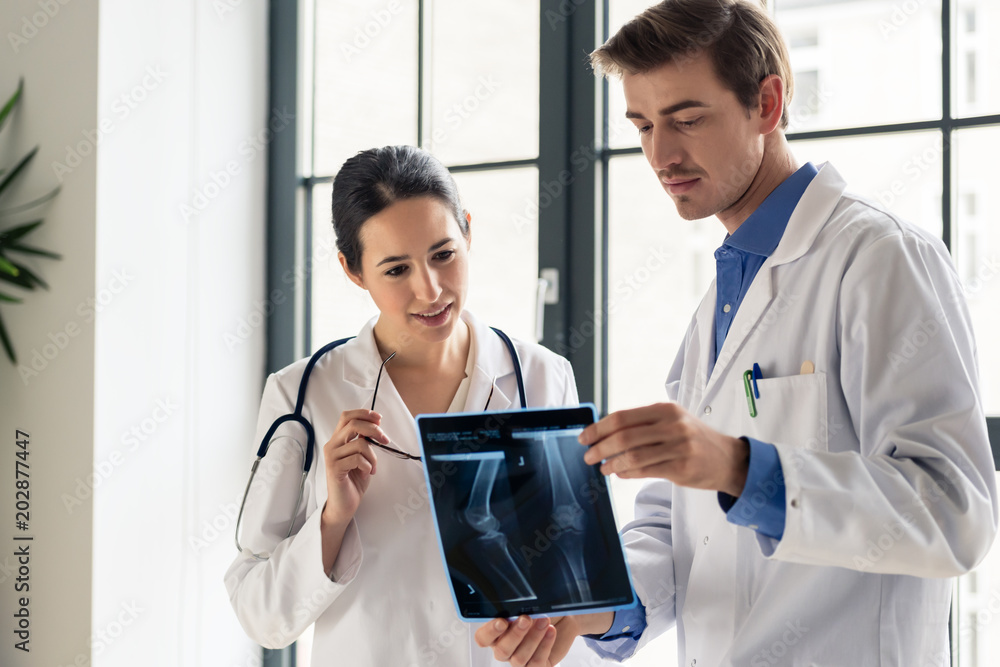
(444, 255)
(644, 129)
(396, 271)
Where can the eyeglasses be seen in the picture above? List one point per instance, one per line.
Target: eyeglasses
(398, 453)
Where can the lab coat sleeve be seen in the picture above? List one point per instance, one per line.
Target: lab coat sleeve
(648, 544)
(278, 598)
(919, 497)
(569, 394)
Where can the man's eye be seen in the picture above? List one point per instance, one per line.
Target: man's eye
(688, 123)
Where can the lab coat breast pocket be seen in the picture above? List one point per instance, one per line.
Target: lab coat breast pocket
(791, 411)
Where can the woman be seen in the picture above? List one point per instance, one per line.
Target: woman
(360, 558)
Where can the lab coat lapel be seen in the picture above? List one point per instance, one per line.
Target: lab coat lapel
(756, 301)
(362, 362)
(804, 225)
(492, 361)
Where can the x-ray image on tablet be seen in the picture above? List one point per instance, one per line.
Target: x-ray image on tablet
(524, 525)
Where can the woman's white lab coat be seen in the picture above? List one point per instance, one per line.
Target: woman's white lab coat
(888, 473)
(388, 603)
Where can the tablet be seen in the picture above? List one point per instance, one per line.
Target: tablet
(523, 524)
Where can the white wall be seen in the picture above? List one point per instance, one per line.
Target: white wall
(56, 406)
(154, 403)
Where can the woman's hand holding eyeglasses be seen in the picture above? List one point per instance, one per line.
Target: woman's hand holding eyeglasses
(350, 462)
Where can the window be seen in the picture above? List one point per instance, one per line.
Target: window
(457, 78)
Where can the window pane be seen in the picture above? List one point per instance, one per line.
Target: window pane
(976, 244)
(659, 266)
(621, 132)
(483, 82)
(365, 79)
(900, 171)
(503, 271)
(339, 307)
(977, 84)
(978, 604)
(873, 62)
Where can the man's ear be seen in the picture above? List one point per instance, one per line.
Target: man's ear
(772, 103)
(355, 278)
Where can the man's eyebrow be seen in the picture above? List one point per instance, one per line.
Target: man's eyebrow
(673, 108)
(399, 258)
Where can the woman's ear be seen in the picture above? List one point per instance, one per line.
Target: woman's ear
(468, 227)
(355, 278)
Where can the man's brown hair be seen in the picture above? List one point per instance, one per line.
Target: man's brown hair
(742, 40)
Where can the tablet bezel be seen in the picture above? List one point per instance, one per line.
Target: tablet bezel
(560, 417)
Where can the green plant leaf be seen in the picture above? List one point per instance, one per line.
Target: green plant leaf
(11, 103)
(32, 276)
(8, 236)
(18, 168)
(29, 250)
(10, 299)
(8, 267)
(18, 279)
(6, 342)
(33, 203)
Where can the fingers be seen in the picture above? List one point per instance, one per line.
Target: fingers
(354, 423)
(624, 419)
(525, 642)
(530, 651)
(627, 448)
(488, 633)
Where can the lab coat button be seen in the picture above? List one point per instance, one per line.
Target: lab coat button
(693, 662)
(705, 541)
(795, 502)
(708, 409)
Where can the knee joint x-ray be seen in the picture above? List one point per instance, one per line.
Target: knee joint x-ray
(524, 524)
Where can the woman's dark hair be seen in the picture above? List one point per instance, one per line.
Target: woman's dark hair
(375, 179)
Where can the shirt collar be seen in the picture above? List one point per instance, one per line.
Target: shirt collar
(761, 232)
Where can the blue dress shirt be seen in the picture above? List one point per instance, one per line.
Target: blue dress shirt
(737, 262)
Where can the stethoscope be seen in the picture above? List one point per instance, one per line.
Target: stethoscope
(307, 455)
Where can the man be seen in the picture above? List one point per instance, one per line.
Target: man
(824, 467)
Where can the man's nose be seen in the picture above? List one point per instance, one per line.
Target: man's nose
(662, 150)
